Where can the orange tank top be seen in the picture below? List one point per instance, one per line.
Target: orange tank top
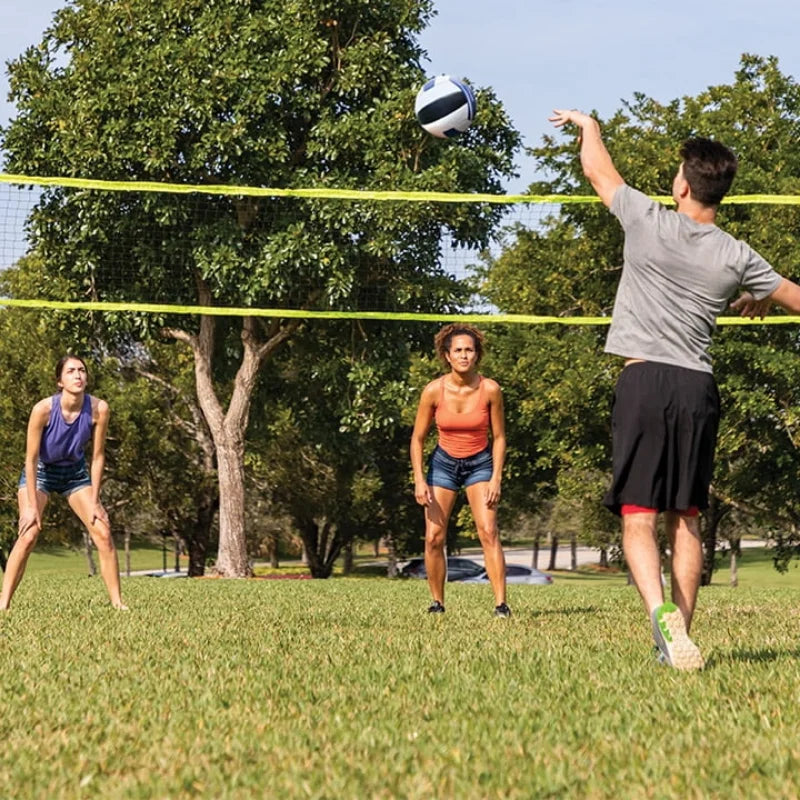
(463, 434)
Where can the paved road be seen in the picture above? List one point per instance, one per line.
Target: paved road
(524, 555)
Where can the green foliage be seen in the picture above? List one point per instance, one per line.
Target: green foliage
(347, 688)
(236, 93)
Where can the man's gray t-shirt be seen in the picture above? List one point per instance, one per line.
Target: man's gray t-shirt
(677, 277)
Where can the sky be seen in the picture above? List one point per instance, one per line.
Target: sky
(587, 54)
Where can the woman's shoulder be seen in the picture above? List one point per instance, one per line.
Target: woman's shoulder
(432, 392)
(434, 386)
(43, 407)
(99, 408)
(491, 386)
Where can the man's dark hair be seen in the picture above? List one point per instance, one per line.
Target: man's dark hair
(709, 168)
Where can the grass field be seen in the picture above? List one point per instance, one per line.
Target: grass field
(347, 689)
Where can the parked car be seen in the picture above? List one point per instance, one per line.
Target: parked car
(515, 573)
(458, 569)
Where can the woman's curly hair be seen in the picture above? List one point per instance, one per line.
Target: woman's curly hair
(444, 338)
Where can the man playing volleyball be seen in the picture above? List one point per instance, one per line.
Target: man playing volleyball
(679, 273)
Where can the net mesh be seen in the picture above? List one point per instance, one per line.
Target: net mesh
(289, 252)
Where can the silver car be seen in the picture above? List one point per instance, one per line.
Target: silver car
(516, 573)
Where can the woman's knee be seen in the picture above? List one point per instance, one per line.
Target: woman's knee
(101, 536)
(489, 535)
(435, 538)
(27, 541)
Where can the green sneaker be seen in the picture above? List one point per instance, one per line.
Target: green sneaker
(672, 640)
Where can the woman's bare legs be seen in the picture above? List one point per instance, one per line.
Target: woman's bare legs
(100, 531)
(23, 547)
(437, 515)
(493, 556)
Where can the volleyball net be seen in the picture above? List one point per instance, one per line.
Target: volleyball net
(158, 248)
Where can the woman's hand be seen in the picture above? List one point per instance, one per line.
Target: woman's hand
(493, 493)
(99, 513)
(422, 493)
(29, 518)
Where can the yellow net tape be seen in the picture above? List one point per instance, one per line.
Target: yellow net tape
(351, 194)
(226, 311)
(347, 194)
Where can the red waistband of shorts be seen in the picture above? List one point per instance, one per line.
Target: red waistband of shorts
(630, 508)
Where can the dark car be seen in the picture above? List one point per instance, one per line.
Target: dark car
(458, 569)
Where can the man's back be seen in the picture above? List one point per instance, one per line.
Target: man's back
(678, 276)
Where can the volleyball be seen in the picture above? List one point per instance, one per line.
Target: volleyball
(445, 107)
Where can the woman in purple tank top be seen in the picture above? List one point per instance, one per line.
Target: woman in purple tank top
(58, 430)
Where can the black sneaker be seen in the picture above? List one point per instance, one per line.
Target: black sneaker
(502, 610)
(436, 608)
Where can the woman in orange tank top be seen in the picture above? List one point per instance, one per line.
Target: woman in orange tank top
(465, 407)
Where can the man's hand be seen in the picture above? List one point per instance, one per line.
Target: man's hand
(562, 116)
(595, 160)
(748, 306)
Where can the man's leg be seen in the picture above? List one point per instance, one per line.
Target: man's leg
(683, 533)
(640, 545)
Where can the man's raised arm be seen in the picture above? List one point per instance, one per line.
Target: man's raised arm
(595, 160)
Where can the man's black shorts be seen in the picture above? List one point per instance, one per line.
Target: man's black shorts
(664, 431)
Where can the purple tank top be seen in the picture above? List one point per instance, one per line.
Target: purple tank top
(63, 442)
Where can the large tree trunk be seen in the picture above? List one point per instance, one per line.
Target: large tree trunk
(736, 545)
(349, 558)
(274, 542)
(232, 559)
(228, 428)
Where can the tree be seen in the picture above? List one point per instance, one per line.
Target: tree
(299, 94)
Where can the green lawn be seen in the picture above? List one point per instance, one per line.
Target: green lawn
(65, 561)
(347, 689)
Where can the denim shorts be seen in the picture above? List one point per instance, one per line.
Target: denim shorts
(454, 473)
(60, 478)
